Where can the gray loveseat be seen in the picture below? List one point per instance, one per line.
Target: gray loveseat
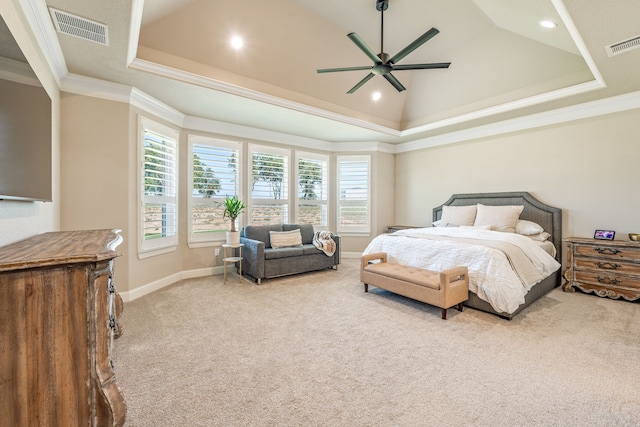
(261, 261)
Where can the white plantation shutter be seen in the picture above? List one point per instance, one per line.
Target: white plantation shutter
(159, 179)
(313, 195)
(214, 172)
(354, 194)
(270, 185)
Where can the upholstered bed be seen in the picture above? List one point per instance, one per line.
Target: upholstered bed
(409, 249)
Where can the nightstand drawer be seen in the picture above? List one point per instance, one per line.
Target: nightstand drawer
(607, 265)
(608, 252)
(605, 279)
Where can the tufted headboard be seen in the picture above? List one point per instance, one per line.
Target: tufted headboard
(549, 217)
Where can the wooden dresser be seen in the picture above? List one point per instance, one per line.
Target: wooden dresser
(606, 268)
(59, 313)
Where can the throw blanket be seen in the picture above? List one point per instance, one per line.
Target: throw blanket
(323, 241)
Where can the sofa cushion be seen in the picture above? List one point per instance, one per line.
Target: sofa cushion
(310, 249)
(283, 252)
(285, 239)
(306, 230)
(260, 232)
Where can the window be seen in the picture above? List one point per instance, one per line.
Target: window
(269, 185)
(159, 186)
(214, 171)
(311, 177)
(354, 194)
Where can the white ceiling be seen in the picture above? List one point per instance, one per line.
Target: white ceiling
(503, 64)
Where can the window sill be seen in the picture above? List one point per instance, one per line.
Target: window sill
(154, 252)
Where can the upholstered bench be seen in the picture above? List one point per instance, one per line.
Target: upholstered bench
(443, 289)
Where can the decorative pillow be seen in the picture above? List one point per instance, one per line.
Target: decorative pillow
(285, 239)
(528, 228)
(540, 237)
(500, 218)
(458, 215)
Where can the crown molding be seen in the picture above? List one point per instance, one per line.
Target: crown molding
(509, 106)
(229, 129)
(95, 88)
(37, 16)
(175, 74)
(18, 72)
(586, 110)
(151, 105)
(121, 93)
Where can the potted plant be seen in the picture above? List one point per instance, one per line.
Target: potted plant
(233, 207)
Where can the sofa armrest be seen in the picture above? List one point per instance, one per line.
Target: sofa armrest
(336, 255)
(253, 257)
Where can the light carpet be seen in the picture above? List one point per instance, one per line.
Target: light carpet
(316, 350)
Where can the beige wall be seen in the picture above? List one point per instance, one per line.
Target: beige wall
(588, 168)
(100, 190)
(382, 202)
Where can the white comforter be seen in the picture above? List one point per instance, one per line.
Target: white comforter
(491, 275)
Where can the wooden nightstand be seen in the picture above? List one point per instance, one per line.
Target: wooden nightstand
(606, 268)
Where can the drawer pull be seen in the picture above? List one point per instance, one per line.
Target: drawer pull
(607, 251)
(607, 280)
(607, 265)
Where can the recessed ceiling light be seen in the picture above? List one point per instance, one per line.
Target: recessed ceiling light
(237, 42)
(548, 24)
(376, 96)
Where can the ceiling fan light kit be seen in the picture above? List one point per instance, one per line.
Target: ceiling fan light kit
(383, 63)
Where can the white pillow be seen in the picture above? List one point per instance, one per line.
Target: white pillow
(540, 237)
(458, 215)
(528, 228)
(500, 218)
(285, 239)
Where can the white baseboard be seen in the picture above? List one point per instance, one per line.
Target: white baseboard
(169, 280)
(143, 290)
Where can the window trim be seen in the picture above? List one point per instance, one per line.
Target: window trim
(197, 240)
(296, 200)
(353, 230)
(148, 248)
(251, 202)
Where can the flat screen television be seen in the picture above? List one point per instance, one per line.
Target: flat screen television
(25, 142)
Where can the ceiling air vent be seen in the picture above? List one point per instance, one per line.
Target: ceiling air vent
(77, 26)
(623, 46)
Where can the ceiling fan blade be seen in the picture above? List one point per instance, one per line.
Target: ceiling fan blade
(414, 45)
(361, 82)
(394, 82)
(335, 70)
(421, 66)
(364, 47)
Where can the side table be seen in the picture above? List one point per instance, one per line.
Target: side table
(232, 259)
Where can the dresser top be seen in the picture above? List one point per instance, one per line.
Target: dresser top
(601, 242)
(62, 247)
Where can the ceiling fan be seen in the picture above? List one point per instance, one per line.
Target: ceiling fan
(383, 64)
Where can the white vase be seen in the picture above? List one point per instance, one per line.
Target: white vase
(233, 237)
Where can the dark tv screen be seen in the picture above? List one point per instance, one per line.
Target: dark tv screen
(25, 142)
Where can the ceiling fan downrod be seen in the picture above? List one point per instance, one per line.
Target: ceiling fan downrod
(382, 6)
